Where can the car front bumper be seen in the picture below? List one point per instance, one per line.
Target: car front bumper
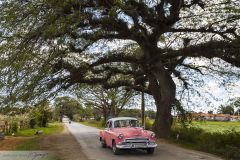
(124, 145)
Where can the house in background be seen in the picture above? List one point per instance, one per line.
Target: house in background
(214, 117)
(234, 118)
(222, 117)
(202, 116)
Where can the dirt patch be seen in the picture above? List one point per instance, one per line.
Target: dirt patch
(10, 143)
(63, 145)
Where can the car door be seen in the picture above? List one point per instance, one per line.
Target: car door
(108, 131)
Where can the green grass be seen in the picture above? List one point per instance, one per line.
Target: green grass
(32, 144)
(214, 126)
(50, 129)
(208, 126)
(96, 124)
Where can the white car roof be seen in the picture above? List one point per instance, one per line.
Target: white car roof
(122, 118)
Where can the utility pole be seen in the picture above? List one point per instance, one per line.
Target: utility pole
(143, 110)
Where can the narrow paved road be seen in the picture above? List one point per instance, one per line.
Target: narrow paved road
(88, 139)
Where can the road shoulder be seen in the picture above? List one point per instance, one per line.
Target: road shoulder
(63, 145)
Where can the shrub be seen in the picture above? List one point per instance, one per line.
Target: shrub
(148, 124)
(226, 143)
(14, 126)
(32, 123)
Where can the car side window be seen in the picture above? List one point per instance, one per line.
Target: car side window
(106, 126)
(110, 124)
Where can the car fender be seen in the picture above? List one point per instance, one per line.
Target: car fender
(102, 135)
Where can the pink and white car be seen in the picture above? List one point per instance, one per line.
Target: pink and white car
(125, 133)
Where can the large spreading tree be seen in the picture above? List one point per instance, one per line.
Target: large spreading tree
(142, 45)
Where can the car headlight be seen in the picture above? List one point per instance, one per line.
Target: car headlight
(153, 135)
(120, 136)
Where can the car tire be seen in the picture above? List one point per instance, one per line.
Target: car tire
(150, 150)
(115, 150)
(103, 143)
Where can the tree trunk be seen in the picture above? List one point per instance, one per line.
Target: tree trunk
(163, 89)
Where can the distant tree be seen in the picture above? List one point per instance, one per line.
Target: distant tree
(66, 106)
(237, 112)
(210, 112)
(226, 110)
(86, 112)
(133, 112)
(109, 102)
(44, 115)
(40, 115)
(150, 114)
(235, 103)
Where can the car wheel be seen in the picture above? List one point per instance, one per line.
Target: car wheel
(115, 150)
(103, 143)
(150, 150)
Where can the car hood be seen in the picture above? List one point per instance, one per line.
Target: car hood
(129, 132)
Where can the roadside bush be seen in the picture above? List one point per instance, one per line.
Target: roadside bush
(148, 124)
(32, 123)
(226, 143)
(14, 127)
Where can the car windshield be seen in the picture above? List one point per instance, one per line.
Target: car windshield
(126, 123)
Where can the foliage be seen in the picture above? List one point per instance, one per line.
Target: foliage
(148, 124)
(235, 103)
(134, 112)
(97, 124)
(221, 143)
(183, 117)
(66, 106)
(131, 113)
(50, 129)
(32, 123)
(40, 115)
(108, 102)
(226, 110)
(86, 113)
(14, 110)
(14, 127)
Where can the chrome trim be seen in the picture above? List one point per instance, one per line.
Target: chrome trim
(137, 140)
(134, 143)
(136, 146)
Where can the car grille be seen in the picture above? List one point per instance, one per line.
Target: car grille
(136, 140)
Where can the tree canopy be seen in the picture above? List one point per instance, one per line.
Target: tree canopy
(66, 106)
(143, 45)
(109, 102)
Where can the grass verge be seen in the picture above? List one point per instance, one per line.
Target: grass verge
(33, 143)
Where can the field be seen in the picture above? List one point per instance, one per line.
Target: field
(208, 126)
(213, 126)
(32, 144)
(26, 140)
(50, 129)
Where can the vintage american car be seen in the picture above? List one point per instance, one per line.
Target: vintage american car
(125, 133)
